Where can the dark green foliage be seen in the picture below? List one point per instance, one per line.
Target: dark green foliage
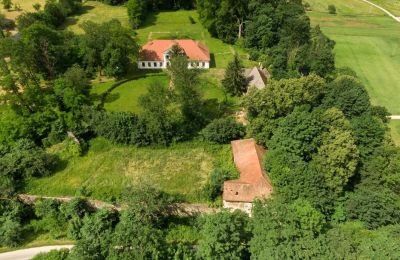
(136, 12)
(369, 133)
(332, 9)
(298, 133)
(137, 235)
(186, 90)
(234, 82)
(53, 255)
(117, 127)
(374, 208)
(96, 235)
(321, 56)
(50, 218)
(107, 48)
(280, 98)
(224, 235)
(21, 161)
(72, 90)
(214, 186)
(349, 95)
(224, 19)
(7, 4)
(222, 131)
(283, 231)
(12, 214)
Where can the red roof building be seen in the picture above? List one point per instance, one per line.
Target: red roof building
(253, 182)
(155, 54)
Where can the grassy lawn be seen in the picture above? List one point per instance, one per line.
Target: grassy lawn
(367, 41)
(106, 169)
(97, 12)
(395, 127)
(125, 96)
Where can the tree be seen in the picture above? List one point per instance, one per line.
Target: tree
(322, 58)
(7, 4)
(137, 235)
(374, 208)
(349, 95)
(160, 116)
(337, 158)
(96, 236)
(21, 161)
(72, 90)
(136, 12)
(281, 97)
(234, 81)
(332, 9)
(282, 231)
(186, 90)
(2, 25)
(222, 131)
(109, 47)
(224, 236)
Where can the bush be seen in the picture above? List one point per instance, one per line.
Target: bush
(222, 131)
(332, 9)
(52, 255)
(214, 186)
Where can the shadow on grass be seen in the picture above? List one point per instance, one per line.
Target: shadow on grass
(73, 20)
(108, 97)
(150, 20)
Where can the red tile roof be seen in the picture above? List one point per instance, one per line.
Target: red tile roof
(253, 183)
(154, 50)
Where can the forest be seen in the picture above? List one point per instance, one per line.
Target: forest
(331, 160)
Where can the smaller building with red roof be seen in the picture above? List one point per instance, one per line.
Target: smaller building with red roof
(156, 54)
(253, 182)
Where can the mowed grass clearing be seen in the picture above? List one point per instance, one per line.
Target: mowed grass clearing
(180, 170)
(367, 41)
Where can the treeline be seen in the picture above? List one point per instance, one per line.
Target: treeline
(328, 151)
(276, 32)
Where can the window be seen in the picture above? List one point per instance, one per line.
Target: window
(161, 64)
(203, 64)
(155, 64)
(143, 64)
(149, 64)
(167, 56)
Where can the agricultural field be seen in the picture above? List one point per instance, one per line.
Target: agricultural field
(180, 170)
(367, 41)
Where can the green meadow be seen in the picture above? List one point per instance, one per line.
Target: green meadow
(367, 41)
(180, 170)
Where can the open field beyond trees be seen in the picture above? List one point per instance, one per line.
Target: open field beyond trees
(180, 170)
(367, 41)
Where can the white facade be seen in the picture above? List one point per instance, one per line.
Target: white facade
(164, 64)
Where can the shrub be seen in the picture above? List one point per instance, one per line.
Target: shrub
(332, 9)
(222, 131)
(53, 254)
(214, 186)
